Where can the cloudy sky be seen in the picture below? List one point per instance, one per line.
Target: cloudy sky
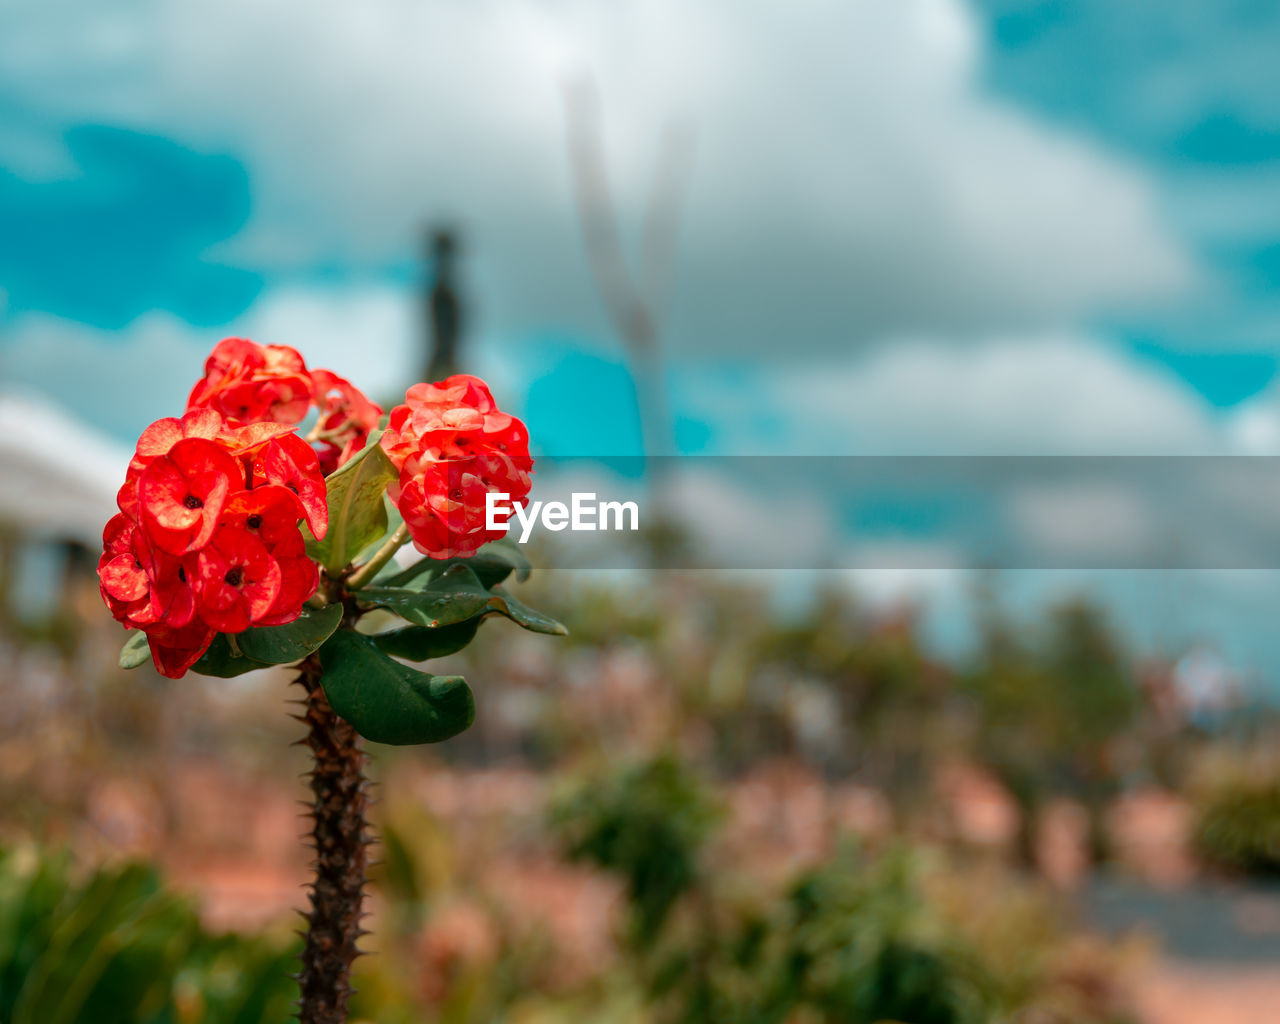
(920, 225)
(910, 226)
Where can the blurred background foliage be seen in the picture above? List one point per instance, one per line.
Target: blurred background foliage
(698, 807)
(112, 945)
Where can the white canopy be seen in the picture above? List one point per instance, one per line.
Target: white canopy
(58, 475)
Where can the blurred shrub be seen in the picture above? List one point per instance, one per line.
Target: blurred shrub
(863, 945)
(116, 948)
(854, 940)
(1237, 825)
(646, 822)
(1055, 709)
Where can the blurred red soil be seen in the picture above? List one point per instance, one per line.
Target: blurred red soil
(1179, 993)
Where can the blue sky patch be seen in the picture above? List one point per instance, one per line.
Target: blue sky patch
(126, 233)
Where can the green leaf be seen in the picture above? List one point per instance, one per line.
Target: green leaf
(357, 515)
(283, 645)
(493, 563)
(394, 521)
(222, 661)
(388, 702)
(421, 643)
(454, 596)
(521, 614)
(457, 595)
(506, 553)
(135, 651)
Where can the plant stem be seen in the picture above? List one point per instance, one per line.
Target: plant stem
(341, 847)
(380, 558)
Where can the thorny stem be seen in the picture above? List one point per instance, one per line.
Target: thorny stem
(340, 837)
(380, 558)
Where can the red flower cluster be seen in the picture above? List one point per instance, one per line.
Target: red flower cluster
(207, 539)
(249, 383)
(453, 446)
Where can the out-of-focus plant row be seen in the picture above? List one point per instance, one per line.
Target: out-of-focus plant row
(698, 807)
(112, 946)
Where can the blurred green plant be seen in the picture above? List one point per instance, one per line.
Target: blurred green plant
(1237, 825)
(852, 940)
(1053, 708)
(646, 822)
(115, 947)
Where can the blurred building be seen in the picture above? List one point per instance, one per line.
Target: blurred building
(60, 480)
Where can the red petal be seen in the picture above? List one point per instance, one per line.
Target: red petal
(299, 578)
(290, 462)
(123, 578)
(174, 650)
(158, 438)
(244, 440)
(233, 607)
(162, 493)
(117, 535)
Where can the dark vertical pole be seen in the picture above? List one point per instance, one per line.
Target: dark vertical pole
(444, 313)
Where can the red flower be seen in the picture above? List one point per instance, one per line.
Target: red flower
(249, 383)
(270, 513)
(174, 649)
(173, 585)
(156, 441)
(444, 508)
(239, 581)
(208, 538)
(142, 584)
(299, 578)
(292, 463)
(347, 418)
(121, 579)
(452, 446)
(199, 495)
(162, 435)
(181, 494)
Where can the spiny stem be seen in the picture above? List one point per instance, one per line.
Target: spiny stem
(380, 558)
(340, 837)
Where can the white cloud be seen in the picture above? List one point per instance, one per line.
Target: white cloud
(1047, 394)
(1255, 425)
(117, 380)
(736, 523)
(851, 177)
(123, 380)
(1083, 520)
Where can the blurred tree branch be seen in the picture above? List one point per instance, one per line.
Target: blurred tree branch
(634, 304)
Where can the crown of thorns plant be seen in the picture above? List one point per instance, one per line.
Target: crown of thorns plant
(242, 543)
